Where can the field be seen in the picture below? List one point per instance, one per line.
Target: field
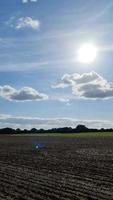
(69, 167)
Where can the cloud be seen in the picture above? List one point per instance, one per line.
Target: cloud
(60, 98)
(26, 1)
(24, 94)
(24, 22)
(87, 85)
(47, 123)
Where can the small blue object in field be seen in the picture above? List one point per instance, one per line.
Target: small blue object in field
(39, 146)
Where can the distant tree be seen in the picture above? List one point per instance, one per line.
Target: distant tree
(81, 128)
(18, 131)
(25, 131)
(34, 130)
(7, 131)
(42, 131)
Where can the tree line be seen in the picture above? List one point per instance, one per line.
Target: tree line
(78, 129)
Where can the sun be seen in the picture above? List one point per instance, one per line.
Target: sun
(87, 53)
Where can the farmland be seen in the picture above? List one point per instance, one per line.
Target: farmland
(69, 167)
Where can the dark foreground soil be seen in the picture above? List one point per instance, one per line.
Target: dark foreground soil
(65, 169)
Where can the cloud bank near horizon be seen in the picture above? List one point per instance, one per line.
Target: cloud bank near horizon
(47, 123)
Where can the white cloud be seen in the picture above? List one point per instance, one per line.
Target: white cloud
(47, 123)
(24, 94)
(26, 1)
(87, 85)
(27, 22)
(24, 22)
(60, 98)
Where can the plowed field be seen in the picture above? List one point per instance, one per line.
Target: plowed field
(65, 169)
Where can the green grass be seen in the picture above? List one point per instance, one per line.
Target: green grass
(71, 135)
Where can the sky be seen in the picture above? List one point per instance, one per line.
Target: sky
(42, 83)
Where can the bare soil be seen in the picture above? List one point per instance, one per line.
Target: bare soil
(65, 169)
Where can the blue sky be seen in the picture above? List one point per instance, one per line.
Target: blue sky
(39, 41)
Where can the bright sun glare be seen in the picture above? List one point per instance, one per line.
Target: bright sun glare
(87, 53)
